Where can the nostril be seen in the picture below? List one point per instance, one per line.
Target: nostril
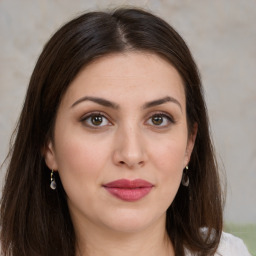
(141, 162)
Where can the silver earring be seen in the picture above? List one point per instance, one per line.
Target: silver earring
(185, 178)
(53, 184)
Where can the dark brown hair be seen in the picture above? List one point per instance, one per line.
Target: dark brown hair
(34, 219)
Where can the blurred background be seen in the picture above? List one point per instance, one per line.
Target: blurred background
(222, 38)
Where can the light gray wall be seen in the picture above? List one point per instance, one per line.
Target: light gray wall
(222, 37)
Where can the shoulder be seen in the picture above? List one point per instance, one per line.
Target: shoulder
(231, 246)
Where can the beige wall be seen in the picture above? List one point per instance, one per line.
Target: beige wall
(222, 37)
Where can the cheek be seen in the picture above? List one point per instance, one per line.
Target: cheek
(75, 156)
(171, 166)
(169, 156)
(79, 160)
(168, 159)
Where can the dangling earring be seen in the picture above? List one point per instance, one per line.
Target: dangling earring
(53, 184)
(185, 178)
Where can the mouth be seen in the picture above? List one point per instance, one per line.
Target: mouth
(129, 190)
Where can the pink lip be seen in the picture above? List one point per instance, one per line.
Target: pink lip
(129, 190)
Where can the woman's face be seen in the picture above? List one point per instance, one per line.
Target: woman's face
(121, 142)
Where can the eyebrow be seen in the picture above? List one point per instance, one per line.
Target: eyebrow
(161, 101)
(97, 100)
(113, 105)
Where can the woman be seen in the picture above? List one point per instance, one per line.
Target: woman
(112, 154)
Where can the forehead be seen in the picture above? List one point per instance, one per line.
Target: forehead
(125, 74)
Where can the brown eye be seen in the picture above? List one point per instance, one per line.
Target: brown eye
(96, 120)
(160, 120)
(157, 120)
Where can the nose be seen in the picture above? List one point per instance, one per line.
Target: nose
(129, 148)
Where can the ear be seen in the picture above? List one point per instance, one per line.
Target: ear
(191, 143)
(50, 156)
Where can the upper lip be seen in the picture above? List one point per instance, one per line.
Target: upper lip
(124, 183)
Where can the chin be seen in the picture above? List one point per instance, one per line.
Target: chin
(132, 221)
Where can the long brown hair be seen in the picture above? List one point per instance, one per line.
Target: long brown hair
(34, 219)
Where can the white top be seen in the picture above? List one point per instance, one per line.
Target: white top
(230, 246)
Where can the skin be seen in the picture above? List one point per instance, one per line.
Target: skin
(133, 139)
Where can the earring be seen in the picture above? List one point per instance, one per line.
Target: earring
(185, 178)
(53, 184)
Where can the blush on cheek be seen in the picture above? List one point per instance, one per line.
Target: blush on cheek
(170, 156)
(78, 169)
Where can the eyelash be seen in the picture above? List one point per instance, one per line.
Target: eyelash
(89, 117)
(163, 115)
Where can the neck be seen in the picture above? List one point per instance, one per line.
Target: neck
(148, 242)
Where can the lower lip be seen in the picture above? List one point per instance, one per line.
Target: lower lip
(129, 194)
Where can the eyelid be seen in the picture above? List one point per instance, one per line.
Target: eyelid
(95, 113)
(163, 114)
